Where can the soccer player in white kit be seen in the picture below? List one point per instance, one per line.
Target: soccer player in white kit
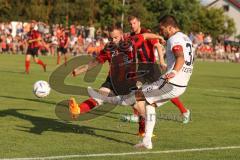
(170, 85)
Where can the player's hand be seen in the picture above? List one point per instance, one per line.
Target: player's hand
(162, 40)
(163, 67)
(170, 75)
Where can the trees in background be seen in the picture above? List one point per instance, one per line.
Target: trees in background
(191, 15)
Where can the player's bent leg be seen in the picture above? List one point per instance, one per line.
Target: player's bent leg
(65, 59)
(40, 62)
(176, 101)
(167, 91)
(27, 63)
(185, 112)
(58, 57)
(186, 117)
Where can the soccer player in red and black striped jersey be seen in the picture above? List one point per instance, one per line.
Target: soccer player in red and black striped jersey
(146, 55)
(106, 55)
(63, 43)
(33, 40)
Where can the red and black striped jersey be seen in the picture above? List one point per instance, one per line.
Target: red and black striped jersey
(32, 35)
(145, 53)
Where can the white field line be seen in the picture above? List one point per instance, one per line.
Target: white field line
(127, 153)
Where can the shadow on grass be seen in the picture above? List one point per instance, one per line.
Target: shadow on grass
(61, 109)
(42, 124)
(17, 72)
(30, 99)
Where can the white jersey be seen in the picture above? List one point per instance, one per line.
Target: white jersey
(183, 76)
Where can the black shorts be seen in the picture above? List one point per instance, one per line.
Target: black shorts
(119, 88)
(148, 72)
(108, 84)
(62, 50)
(32, 51)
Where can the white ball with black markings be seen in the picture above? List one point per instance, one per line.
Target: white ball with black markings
(41, 89)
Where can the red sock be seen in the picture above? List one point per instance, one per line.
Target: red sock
(135, 112)
(87, 105)
(27, 65)
(40, 63)
(179, 104)
(141, 129)
(58, 59)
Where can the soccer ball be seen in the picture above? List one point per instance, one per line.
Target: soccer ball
(41, 89)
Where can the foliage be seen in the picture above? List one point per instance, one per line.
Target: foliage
(191, 16)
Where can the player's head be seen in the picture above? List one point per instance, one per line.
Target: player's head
(33, 23)
(134, 23)
(116, 34)
(168, 26)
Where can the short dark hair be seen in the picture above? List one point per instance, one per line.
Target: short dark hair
(131, 17)
(111, 29)
(169, 20)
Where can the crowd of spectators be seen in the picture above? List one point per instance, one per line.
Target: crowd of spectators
(222, 49)
(83, 39)
(89, 40)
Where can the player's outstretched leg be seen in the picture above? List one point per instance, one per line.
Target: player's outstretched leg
(76, 109)
(185, 112)
(73, 108)
(126, 100)
(87, 105)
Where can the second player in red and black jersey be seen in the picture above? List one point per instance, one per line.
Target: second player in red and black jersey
(147, 64)
(63, 43)
(33, 39)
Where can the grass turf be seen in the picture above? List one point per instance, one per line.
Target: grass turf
(30, 127)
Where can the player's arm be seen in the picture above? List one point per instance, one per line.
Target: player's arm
(84, 68)
(38, 39)
(148, 36)
(159, 48)
(67, 44)
(177, 50)
(35, 40)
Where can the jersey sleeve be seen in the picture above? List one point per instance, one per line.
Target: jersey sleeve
(37, 35)
(154, 41)
(137, 40)
(176, 45)
(102, 57)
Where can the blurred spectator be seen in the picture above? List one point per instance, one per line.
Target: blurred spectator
(89, 40)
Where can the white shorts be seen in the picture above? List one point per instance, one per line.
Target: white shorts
(160, 96)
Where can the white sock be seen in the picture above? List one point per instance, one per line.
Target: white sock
(122, 100)
(150, 122)
(125, 100)
(128, 100)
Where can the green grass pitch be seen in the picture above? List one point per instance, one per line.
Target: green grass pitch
(30, 128)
